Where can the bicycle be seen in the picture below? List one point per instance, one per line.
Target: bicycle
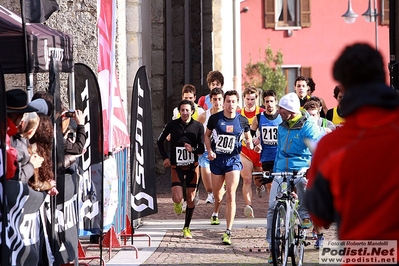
(288, 238)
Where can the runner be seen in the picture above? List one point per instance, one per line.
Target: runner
(226, 128)
(267, 123)
(217, 106)
(249, 158)
(186, 143)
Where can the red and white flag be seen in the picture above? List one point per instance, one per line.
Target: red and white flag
(116, 135)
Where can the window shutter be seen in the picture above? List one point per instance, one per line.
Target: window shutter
(306, 72)
(305, 13)
(270, 20)
(385, 12)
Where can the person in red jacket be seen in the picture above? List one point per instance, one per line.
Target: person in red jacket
(354, 171)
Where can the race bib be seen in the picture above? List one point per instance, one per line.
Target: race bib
(269, 135)
(183, 156)
(225, 143)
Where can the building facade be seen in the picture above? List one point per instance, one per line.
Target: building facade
(310, 34)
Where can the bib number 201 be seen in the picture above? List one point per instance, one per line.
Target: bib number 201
(183, 156)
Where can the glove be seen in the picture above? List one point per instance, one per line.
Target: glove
(262, 178)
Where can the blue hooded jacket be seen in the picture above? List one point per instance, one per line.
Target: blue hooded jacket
(292, 152)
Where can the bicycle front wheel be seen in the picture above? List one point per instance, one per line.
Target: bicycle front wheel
(279, 245)
(298, 243)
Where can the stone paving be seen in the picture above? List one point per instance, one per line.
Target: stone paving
(206, 248)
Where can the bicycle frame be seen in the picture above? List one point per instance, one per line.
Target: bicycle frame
(294, 237)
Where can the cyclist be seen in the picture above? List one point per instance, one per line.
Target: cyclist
(292, 154)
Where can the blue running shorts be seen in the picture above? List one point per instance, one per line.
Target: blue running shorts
(223, 164)
(203, 160)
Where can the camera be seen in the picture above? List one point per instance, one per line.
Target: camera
(70, 113)
(71, 135)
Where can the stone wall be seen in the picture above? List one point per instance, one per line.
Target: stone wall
(141, 40)
(77, 18)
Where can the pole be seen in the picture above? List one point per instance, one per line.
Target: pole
(393, 63)
(26, 50)
(376, 24)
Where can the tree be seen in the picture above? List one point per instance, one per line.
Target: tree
(267, 73)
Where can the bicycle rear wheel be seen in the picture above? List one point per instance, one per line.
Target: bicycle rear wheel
(279, 245)
(298, 249)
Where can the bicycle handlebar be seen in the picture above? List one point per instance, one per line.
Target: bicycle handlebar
(267, 174)
(268, 177)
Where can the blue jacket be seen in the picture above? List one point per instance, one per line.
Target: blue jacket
(292, 152)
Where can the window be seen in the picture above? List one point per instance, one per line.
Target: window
(292, 72)
(287, 13)
(384, 12)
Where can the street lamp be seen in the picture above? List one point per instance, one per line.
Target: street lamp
(370, 16)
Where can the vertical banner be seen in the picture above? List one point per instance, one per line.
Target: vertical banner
(88, 100)
(62, 223)
(24, 227)
(143, 180)
(116, 136)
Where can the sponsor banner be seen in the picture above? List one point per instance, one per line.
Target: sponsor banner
(359, 252)
(88, 100)
(110, 192)
(116, 136)
(23, 229)
(38, 11)
(142, 165)
(60, 212)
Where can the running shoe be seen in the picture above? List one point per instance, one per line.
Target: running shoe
(215, 220)
(186, 233)
(260, 191)
(184, 207)
(196, 198)
(306, 223)
(226, 239)
(178, 208)
(270, 259)
(248, 211)
(319, 242)
(210, 199)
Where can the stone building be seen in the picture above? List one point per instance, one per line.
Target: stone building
(179, 42)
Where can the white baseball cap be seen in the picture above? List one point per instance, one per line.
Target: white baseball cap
(290, 102)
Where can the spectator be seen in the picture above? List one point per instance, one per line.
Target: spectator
(343, 169)
(16, 107)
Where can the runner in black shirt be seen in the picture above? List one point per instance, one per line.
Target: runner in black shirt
(186, 143)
